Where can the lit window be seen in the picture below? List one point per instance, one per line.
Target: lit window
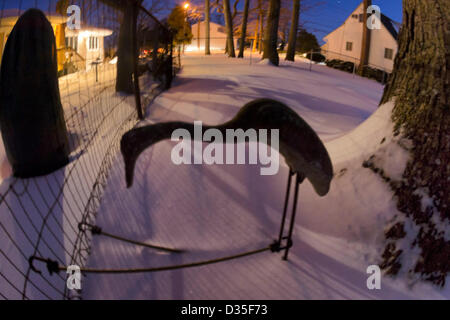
(72, 42)
(388, 53)
(93, 43)
(349, 46)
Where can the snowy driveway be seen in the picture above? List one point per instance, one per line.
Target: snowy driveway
(218, 210)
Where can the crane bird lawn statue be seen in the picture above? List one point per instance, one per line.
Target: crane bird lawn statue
(302, 149)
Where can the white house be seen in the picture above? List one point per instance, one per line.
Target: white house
(83, 46)
(218, 37)
(88, 42)
(345, 42)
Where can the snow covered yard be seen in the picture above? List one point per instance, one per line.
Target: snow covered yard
(217, 210)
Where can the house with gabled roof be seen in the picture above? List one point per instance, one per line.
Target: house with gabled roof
(83, 47)
(345, 42)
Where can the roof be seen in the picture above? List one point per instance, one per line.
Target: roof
(9, 17)
(89, 30)
(389, 24)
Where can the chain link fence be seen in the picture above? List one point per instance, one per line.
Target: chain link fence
(41, 216)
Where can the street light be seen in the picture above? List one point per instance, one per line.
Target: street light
(186, 7)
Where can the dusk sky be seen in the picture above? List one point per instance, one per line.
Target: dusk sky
(320, 20)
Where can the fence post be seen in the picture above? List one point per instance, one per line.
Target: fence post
(310, 60)
(137, 89)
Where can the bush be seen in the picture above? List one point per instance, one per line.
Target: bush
(368, 72)
(375, 74)
(68, 68)
(316, 57)
(340, 65)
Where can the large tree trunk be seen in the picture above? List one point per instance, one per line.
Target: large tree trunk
(271, 35)
(420, 86)
(365, 46)
(207, 31)
(244, 29)
(229, 27)
(292, 42)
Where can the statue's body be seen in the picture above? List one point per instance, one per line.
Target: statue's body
(299, 144)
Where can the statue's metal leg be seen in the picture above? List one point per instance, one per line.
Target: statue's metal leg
(299, 179)
(286, 202)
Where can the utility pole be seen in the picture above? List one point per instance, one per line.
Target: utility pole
(365, 45)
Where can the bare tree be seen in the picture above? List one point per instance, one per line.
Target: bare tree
(207, 29)
(290, 54)
(229, 27)
(271, 37)
(244, 29)
(125, 52)
(419, 89)
(262, 12)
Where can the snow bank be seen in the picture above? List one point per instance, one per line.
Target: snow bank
(360, 204)
(213, 211)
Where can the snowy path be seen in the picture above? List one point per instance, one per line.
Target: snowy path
(214, 211)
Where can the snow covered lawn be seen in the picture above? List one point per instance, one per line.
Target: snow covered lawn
(217, 210)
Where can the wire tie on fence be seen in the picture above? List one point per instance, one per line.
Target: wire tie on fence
(96, 230)
(31, 265)
(52, 265)
(276, 245)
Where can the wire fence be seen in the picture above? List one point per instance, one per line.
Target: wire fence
(41, 215)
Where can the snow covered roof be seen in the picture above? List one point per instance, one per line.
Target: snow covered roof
(89, 30)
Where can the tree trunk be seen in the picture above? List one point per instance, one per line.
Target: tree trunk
(255, 41)
(207, 32)
(271, 35)
(292, 42)
(244, 29)
(365, 46)
(229, 26)
(125, 54)
(198, 33)
(261, 30)
(419, 84)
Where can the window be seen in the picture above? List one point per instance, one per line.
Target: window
(72, 42)
(354, 16)
(349, 46)
(361, 17)
(388, 53)
(93, 43)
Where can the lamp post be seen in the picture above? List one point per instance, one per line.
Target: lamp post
(186, 8)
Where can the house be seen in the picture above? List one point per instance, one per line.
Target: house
(345, 42)
(82, 46)
(9, 18)
(218, 37)
(87, 43)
